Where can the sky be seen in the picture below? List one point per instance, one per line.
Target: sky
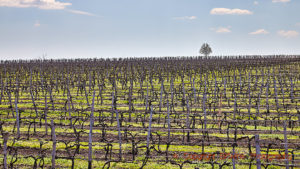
(52, 29)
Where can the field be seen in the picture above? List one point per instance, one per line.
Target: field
(169, 112)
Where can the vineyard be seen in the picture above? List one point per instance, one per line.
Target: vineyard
(168, 112)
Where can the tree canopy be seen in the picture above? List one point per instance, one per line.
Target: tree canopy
(205, 49)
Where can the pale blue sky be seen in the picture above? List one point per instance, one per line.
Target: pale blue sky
(138, 28)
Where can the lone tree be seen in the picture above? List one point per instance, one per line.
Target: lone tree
(205, 49)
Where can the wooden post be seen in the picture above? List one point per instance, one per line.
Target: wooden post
(267, 96)
(183, 93)
(147, 98)
(120, 137)
(169, 125)
(249, 103)
(91, 132)
(18, 116)
(235, 107)
(204, 106)
(149, 128)
(112, 107)
(215, 90)
(45, 114)
(53, 144)
(188, 119)
(51, 98)
(258, 156)
(233, 157)
(69, 111)
(292, 90)
(130, 98)
(2, 89)
(275, 91)
(86, 94)
(286, 147)
(161, 94)
(34, 105)
(194, 90)
(282, 91)
(249, 95)
(172, 93)
(233, 147)
(5, 139)
(225, 87)
(90, 81)
(10, 103)
(69, 93)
